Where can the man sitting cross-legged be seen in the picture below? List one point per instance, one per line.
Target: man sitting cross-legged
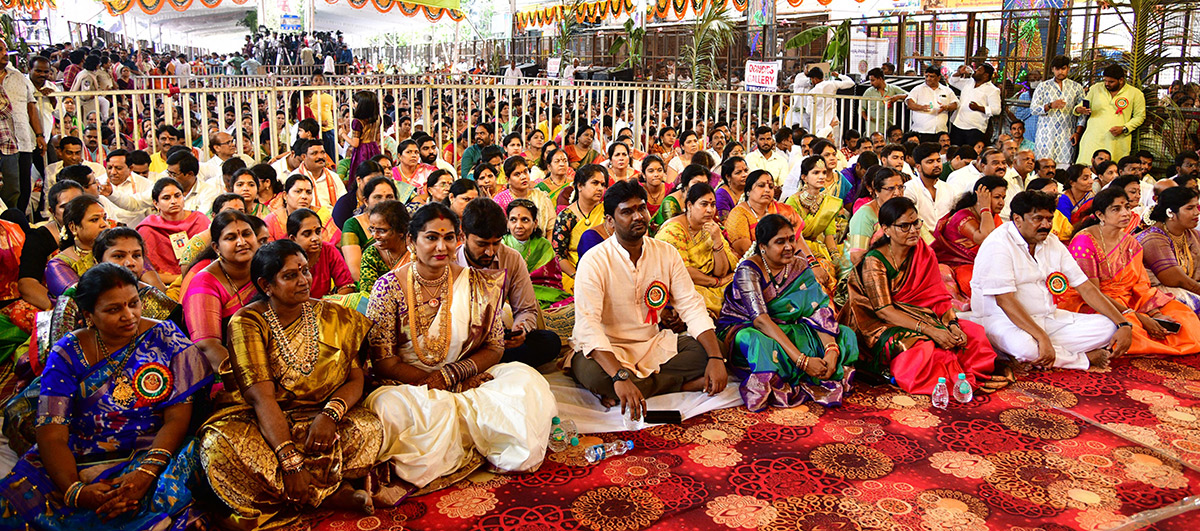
(1017, 273)
(621, 289)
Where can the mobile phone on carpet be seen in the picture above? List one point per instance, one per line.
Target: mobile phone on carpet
(663, 417)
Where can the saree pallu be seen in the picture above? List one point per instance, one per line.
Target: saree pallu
(63, 272)
(697, 252)
(817, 225)
(577, 159)
(725, 202)
(20, 410)
(896, 353)
(354, 233)
(157, 231)
(1123, 278)
(543, 270)
(668, 209)
(1160, 253)
(800, 308)
(240, 465)
(416, 181)
(742, 221)
(956, 250)
(429, 434)
(12, 242)
(108, 439)
(568, 229)
(555, 193)
(1068, 214)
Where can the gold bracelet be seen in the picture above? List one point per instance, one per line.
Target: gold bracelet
(281, 446)
(146, 471)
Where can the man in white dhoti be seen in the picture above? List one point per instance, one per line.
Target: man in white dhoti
(1012, 294)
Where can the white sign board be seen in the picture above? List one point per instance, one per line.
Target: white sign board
(553, 66)
(762, 77)
(867, 53)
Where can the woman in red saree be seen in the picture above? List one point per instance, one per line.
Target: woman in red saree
(958, 235)
(1113, 260)
(167, 232)
(903, 313)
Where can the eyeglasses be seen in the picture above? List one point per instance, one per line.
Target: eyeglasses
(892, 189)
(907, 227)
(378, 230)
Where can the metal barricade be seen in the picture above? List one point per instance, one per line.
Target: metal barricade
(445, 111)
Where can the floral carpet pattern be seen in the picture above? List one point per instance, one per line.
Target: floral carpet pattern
(1057, 450)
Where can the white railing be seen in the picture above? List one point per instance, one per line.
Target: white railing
(446, 110)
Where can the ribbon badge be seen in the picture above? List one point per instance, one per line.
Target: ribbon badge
(1121, 103)
(656, 299)
(152, 383)
(1057, 283)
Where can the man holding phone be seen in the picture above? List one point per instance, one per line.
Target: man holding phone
(1114, 110)
(483, 226)
(1054, 102)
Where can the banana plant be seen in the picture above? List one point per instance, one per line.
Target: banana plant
(632, 42)
(568, 27)
(837, 52)
(12, 38)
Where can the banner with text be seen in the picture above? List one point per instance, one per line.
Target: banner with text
(762, 76)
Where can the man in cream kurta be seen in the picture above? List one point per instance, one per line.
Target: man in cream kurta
(621, 289)
(1116, 109)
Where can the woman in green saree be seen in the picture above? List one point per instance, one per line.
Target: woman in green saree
(775, 305)
(559, 174)
(525, 236)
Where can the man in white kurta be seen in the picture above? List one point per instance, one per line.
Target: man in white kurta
(931, 104)
(823, 106)
(622, 287)
(1011, 296)
(1054, 102)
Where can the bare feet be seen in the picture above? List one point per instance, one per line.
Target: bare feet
(348, 499)
(1099, 358)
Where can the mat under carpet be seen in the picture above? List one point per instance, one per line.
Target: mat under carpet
(1058, 450)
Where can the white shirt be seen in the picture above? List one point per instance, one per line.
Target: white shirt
(53, 169)
(934, 121)
(1016, 185)
(133, 185)
(963, 179)
(611, 317)
(20, 93)
(568, 75)
(200, 198)
(210, 170)
(281, 169)
(1004, 265)
(511, 75)
(329, 67)
(45, 106)
(823, 108)
(327, 188)
(929, 209)
(987, 95)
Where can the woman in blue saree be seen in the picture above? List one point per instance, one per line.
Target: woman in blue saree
(780, 326)
(115, 405)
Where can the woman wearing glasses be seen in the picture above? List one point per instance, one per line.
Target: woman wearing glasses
(884, 184)
(902, 310)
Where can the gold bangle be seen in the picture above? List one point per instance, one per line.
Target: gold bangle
(281, 447)
(146, 471)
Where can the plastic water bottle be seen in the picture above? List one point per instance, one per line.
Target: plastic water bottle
(941, 395)
(602, 451)
(563, 434)
(962, 389)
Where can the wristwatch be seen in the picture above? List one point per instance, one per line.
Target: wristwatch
(621, 375)
(1124, 323)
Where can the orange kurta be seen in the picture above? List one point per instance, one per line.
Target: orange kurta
(1121, 276)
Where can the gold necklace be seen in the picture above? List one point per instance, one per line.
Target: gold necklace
(810, 203)
(430, 350)
(1183, 252)
(123, 394)
(308, 334)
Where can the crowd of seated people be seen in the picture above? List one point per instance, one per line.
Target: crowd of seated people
(244, 341)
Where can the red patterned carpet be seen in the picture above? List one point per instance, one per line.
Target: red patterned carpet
(1058, 450)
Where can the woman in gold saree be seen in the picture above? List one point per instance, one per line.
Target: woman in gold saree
(299, 435)
(438, 339)
(820, 211)
(585, 212)
(697, 236)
